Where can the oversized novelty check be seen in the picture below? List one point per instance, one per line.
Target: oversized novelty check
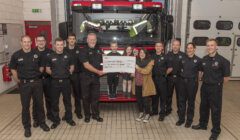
(124, 64)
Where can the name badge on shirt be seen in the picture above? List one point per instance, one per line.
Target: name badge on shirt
(195, 60)
(48, 54)
(162, 58)
(54, 59)
(203, 64)
(77, 52)
(65, 56)
(20, 59)
(180, 57)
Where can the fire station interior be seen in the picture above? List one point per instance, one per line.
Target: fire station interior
(139, 23)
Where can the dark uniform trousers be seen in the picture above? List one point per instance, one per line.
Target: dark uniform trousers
(59, 86)
(173, 83)
(143, 102)
(90, 86)
(31, 89)
(187, 96)
(46, 82)
(161, 88)
(211, 99)
(76, 87)
(112, 79)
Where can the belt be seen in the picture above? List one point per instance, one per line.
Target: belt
(45, 77)
(90, 75)
(28, 80)
(174, 75)
(60, 80)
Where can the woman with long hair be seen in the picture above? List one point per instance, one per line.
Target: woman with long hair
(143, 86)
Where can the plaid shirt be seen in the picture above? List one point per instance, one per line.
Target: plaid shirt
(138, 79)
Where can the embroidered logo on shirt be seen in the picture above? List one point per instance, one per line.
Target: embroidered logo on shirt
(216, 63)
(195, 60)
(162, 58)
(204, 64)
(48, 54)
(65, 56)
(180, 57)
(35, 56)
(77, 52)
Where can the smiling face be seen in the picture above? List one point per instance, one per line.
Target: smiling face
(91, 40)
(176, 46)
(59, 45)
(211, 47)
(26, 43)
(114, 47)
(159, 48)
(190, 49)
(142, 54)
(41, 42)
(71, 40)
(129, 50)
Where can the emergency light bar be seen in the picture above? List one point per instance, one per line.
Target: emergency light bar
(77, 4)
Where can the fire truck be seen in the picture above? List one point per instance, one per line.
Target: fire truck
(135, 23)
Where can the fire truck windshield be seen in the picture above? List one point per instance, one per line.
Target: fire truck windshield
(125, 28)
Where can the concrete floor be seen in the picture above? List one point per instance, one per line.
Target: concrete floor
(119, 122)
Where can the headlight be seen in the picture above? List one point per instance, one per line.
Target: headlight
(137, 6)
(76, 4)
(156, 5)
(96, 6)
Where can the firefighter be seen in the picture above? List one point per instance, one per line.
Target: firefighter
(162, 67)
(43, 52)
(60, 65)
(74, 51)
(26, 67)
(216, 71)
(174, 56)
(190, 70)
(113, 78)
(91, 57)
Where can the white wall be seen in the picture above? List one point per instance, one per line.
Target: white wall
(11, 13)
(58, 15)
(44, 5)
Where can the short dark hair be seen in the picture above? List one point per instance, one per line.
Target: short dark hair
(72, 34)
(41, 35)
(160, 42)
(58, 39)
(191, 43)
(113, 42)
